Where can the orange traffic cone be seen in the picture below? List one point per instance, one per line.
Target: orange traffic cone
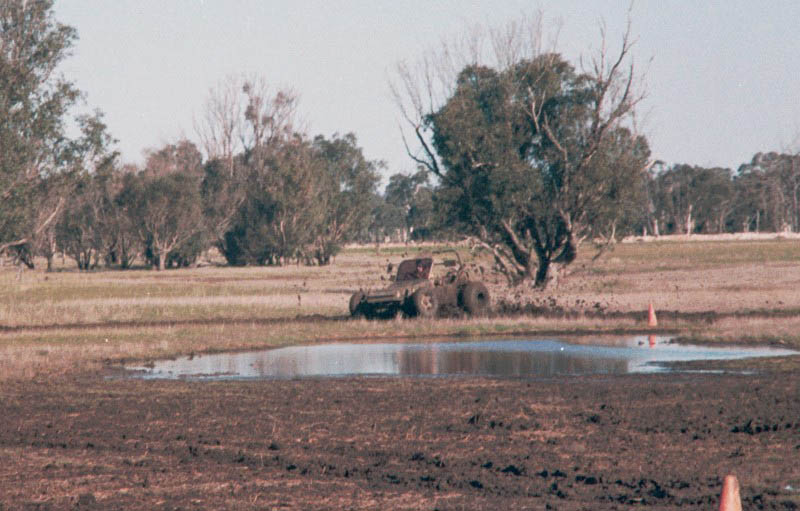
(730, 500)
(651, 316)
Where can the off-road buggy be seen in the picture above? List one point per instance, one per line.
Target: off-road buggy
(413, 293)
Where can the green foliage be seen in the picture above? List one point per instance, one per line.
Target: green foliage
(347, 178)
(691, 199)
(532, 162)
(763, 195)
(78, 232)
(222, 192)
(82, 230)
(410, 200)
(302, 200)
(164, 211)
(767, 193)
(386, 220)
(34, 103)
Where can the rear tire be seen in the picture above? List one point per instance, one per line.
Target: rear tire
(425, 303)
(475, 299)
(356, 309)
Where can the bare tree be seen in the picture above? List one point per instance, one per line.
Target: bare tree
(424, 86)
(220, 125)
(269, 117)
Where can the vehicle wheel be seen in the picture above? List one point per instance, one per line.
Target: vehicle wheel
(425, 303)
(356, 309)
(475, 298)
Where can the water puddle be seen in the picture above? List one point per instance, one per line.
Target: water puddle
(499, 358)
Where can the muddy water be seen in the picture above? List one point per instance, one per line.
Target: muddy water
(500, 358)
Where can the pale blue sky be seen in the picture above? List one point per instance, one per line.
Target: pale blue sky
(723, 83)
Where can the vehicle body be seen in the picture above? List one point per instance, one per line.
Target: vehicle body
(412, 293)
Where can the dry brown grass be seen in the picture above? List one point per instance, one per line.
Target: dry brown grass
(218, 308)
(32, 353)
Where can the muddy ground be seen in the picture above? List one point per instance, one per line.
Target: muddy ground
(622, 442)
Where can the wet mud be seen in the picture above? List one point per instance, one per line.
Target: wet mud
(600, 311)
(501, 311)
(304, 318)
(569, 443)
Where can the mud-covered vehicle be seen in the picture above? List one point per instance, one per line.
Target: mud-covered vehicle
(413, 293)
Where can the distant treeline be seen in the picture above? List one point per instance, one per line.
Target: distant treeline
(529, 157)
(301, 200)
(761, 196)
(290, 200)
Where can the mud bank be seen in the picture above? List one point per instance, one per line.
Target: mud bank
(571, 443)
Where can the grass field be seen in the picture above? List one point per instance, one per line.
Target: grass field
(68, 320)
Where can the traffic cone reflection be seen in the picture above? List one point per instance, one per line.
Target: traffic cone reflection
(730, 500)
(652, 340)
(651, 316)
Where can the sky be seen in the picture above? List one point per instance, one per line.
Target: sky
(722, 77)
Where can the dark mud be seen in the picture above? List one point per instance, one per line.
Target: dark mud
(622, 442)
(169, 323)
(501, 311)
(600, 311)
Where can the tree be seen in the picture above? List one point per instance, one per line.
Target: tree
(533, 157)
(348, 179)
(299, 198)
(412, 197)
(80, 230)
(181, 157)
(774, 199)
(692, 199)
(121, 226)
(222, 193)
(220, 127)
(34, 103)
(77, 232)
(386, 220)
(164, 200)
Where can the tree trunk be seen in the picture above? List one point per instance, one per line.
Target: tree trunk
(542, 274)
(689, 221)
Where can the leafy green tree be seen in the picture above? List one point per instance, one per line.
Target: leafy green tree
(77, 232)
(125, 243)
(181, 157)
(280, 174)
(768, 189)
(294, 198)
(81, 231)
(534, 157)
(168, 214)
(386, 220)
(347, 179)
(163, 202)
(752, 191)
(412, 197)
(34, 104)
(691, 199)
(223, 193)
(286, 186)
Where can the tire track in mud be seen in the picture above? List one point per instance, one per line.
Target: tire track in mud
(708, 317)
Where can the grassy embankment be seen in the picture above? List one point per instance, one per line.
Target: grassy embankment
(68, 320)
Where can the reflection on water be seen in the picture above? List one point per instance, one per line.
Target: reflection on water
(509, 358)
